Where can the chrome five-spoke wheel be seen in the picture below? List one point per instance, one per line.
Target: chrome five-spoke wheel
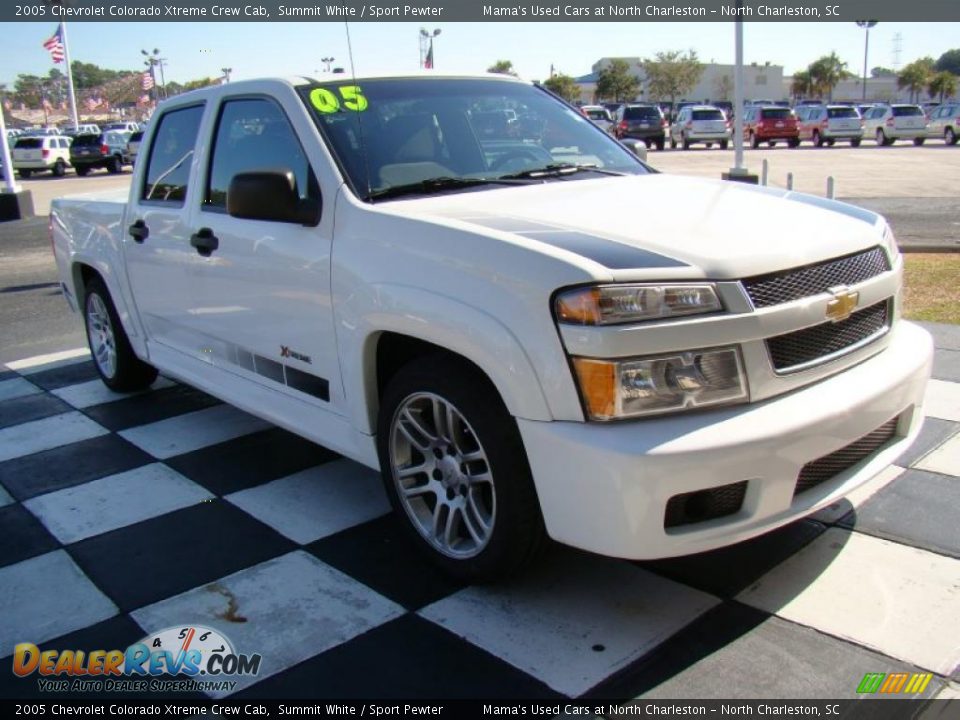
(102, 341)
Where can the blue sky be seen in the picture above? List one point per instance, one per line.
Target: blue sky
(196, 50)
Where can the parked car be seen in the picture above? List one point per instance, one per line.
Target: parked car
(88, 129)
(700, 124)
(888, 123)
(769, 124)
(599, 116)
(945, 123)
(825, 124)
(41, 153)
(130, 127)
(103, 150)
(643, 122)
(133, 146)
(528, 338)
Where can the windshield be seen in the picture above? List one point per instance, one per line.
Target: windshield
(847, 112)
(907, 111)
(391, 133)
(86, 141)
(776, 114)
(641, 113)
(707, 115)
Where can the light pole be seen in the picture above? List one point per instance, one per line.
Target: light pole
(426, 42)
(327, 62)
(866, 25)
(155, 59)
(226, 74)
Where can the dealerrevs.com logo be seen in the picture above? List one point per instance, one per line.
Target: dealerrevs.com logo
(185, 658)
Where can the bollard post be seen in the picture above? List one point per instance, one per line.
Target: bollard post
(764, 170)
(789, 181)
(830, 191)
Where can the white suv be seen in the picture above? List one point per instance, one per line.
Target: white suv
(40, 153)
(945, 123)
(700, 123)
(889, 123)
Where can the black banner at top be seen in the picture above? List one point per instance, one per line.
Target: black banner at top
(479, 10)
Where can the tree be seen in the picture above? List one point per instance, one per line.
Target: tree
(943, 84)
(724, 86)
(916, 76)
(616, 82)
(671, 74)
(502, 67)
(949, 62)
(826, 73)
(881, 72)
(564, 86)
(802, 84)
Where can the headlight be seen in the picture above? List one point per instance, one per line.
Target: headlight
(614, 389)
(893, 250)
(612, 304)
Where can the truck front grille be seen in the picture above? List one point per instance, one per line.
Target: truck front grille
(829, 466)
(797, 350)
(701, 505)
(789, 285)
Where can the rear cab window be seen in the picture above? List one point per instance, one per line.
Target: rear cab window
(641, 113)
(707, 115)
(29, 143)
(842, 113)
(171, 154)
(907, 111)
(776, 113)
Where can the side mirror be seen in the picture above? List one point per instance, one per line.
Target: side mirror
(270, 195)
(637, 147)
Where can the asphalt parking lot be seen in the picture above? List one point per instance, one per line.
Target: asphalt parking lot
(147, 511)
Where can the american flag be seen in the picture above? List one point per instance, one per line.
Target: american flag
(147, 81)
(55, 45)
(428, 61)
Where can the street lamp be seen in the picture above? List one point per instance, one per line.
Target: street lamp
(155, 59)
(327, 62)
(226, 74)
(426, 42)
(866, 25)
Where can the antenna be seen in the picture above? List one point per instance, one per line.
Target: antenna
(897, 49)
(363, 142)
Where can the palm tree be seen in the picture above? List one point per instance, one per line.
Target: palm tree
(826, 73)
(943, 84)
(802, 85)
(916, 76)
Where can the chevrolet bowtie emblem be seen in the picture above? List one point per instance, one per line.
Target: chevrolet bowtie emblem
(843, 304)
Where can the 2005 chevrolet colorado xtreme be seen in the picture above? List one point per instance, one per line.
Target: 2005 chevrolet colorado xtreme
(529, 331)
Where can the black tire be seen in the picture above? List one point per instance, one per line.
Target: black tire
(919, 141)
(771, 143)
(855, 142)
(673, 143)
(817, 140)
(723, 144)
(793, 142)
(25, 173)
(114, 165)
(59, 168)
(950, 136)
(129, 372)
(831, 142)
(686, 143)
(516, 533)
(82, 170)
(754, 141)
(661, 143)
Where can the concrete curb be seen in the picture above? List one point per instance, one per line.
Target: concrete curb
(929, 248)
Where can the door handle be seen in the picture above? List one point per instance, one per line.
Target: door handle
(139, 231)
(204, 241)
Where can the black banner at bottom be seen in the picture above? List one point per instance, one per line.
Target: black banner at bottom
(865, 709)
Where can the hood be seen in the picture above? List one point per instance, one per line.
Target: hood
(696, 227)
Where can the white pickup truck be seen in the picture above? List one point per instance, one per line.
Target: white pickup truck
(529, 331)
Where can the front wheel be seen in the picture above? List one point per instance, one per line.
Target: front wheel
(817, 140)
(114, 166)
(918, 141)
(455, 470)
(82, 170)
(754, 141)
(855, 142)
(59, 168)
(25, 173)
(950, 137)
(118, 366)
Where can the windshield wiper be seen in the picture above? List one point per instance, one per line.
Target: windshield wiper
(438, 185)
(558, 170)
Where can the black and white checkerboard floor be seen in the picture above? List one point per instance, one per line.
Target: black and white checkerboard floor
(123, 515)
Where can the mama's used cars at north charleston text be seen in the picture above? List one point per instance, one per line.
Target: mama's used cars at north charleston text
(527, 329)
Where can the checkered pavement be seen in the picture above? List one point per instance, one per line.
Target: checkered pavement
(124, 515)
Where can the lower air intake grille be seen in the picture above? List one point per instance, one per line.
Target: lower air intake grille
(798, 348)
(694, 507)
(829, 466)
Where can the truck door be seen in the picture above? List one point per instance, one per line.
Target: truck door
(261, 290)
(157, 247)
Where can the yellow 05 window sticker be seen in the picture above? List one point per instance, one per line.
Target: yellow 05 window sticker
(326, 101)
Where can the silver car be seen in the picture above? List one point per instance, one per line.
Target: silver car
(599, 116)
(825, 124)
(945, 123)
(700, 124)
(888, 123)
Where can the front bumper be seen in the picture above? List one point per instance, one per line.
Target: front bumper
(605, 487)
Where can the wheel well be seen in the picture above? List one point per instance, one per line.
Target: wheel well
(395, 350)
(82, 275)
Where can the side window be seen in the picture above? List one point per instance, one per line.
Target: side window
(254, 134)
(171, 153)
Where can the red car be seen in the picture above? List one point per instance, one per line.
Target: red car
(769, 124)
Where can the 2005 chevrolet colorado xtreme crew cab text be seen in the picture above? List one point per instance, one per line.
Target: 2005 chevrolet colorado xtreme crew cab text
(529, 331)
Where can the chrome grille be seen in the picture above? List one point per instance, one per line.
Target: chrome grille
(701, 505)
(829, 466)
(794, 350)
(782, 287)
